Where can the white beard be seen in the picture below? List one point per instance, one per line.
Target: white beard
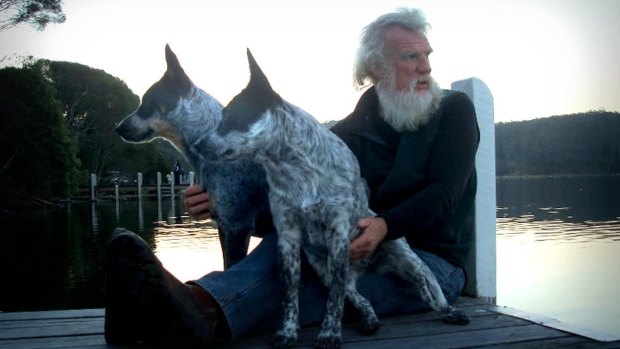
(407, 110)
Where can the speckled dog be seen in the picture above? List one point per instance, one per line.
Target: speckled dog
(316, 196)
(178, 111)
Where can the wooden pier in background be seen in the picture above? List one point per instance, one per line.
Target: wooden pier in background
(127, 192)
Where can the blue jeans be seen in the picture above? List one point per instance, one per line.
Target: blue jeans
(250, 293)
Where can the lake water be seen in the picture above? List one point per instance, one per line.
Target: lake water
(558, 249)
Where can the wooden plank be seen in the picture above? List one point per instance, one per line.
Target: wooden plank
(396, 330)
(51, 314)
(559, 325)
(489, 328)
(400, 327)
(465, 339)
(441, 339)
(572, 342)
(90, 341)
(50, 328)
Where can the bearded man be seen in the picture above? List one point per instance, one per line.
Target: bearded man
(416, 147)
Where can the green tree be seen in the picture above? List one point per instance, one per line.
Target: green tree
(93, 102)
(37, 154)
(38, 13)
(584, 143)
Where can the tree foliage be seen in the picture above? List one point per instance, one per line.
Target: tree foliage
(57, 125)
(38, 13)
(585, 143)
(93, 102)
(37, 153)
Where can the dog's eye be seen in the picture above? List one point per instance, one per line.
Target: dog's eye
(145, 110)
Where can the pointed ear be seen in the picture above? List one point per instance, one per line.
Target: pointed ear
(257, 77)
(173, 65)
(175, 72)
(171, 59)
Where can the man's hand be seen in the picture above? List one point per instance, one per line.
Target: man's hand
(197, 203)
(373, 231)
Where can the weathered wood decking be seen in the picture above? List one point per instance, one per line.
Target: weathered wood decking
(490, 328)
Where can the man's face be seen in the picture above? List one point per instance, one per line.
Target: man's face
(408, 53)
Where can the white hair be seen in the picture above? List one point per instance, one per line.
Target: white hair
(371, 53)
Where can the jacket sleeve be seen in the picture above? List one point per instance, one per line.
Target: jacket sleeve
(450, 166)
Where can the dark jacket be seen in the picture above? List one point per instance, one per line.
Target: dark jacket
(423, 183)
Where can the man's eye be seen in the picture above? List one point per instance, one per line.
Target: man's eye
(409, 56)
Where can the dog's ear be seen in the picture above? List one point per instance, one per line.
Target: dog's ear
(258, 80)
(257, 77)
(175, 72)
(172, 61)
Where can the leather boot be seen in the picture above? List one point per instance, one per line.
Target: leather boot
(147, 304)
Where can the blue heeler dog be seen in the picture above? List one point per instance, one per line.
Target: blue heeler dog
(316, 196)
(176, 110)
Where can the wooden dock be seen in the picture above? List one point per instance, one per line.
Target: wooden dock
(491, 327)
(127, 192)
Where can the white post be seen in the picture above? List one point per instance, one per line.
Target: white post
(172, 196)
(139, 185)
(158, 186)
(116, 197)
(482, 265)
(158, 196)
(93, 184)
(191, 178)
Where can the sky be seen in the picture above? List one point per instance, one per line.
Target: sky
(538, 57)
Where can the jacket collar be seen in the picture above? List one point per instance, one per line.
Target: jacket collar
(365, 115)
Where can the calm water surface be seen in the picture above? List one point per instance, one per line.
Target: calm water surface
(558, 249)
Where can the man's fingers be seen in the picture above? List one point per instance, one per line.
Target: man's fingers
(364, 223)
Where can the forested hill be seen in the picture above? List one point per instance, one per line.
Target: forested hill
(585, 143)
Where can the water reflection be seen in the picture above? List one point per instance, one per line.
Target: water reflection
(559, 230)
(562, 209)
(558, 248)
(189, 249)
(94, 218)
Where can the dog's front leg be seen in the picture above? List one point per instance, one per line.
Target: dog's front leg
(289, 259)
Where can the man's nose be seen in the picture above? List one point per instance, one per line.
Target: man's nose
(424, 67)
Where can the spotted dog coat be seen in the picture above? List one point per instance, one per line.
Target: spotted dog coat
(317, 196)
(176, 110)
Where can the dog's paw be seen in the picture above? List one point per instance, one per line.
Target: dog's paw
(455, 316)
(283, 340)
(327, 342)
(370, 326)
